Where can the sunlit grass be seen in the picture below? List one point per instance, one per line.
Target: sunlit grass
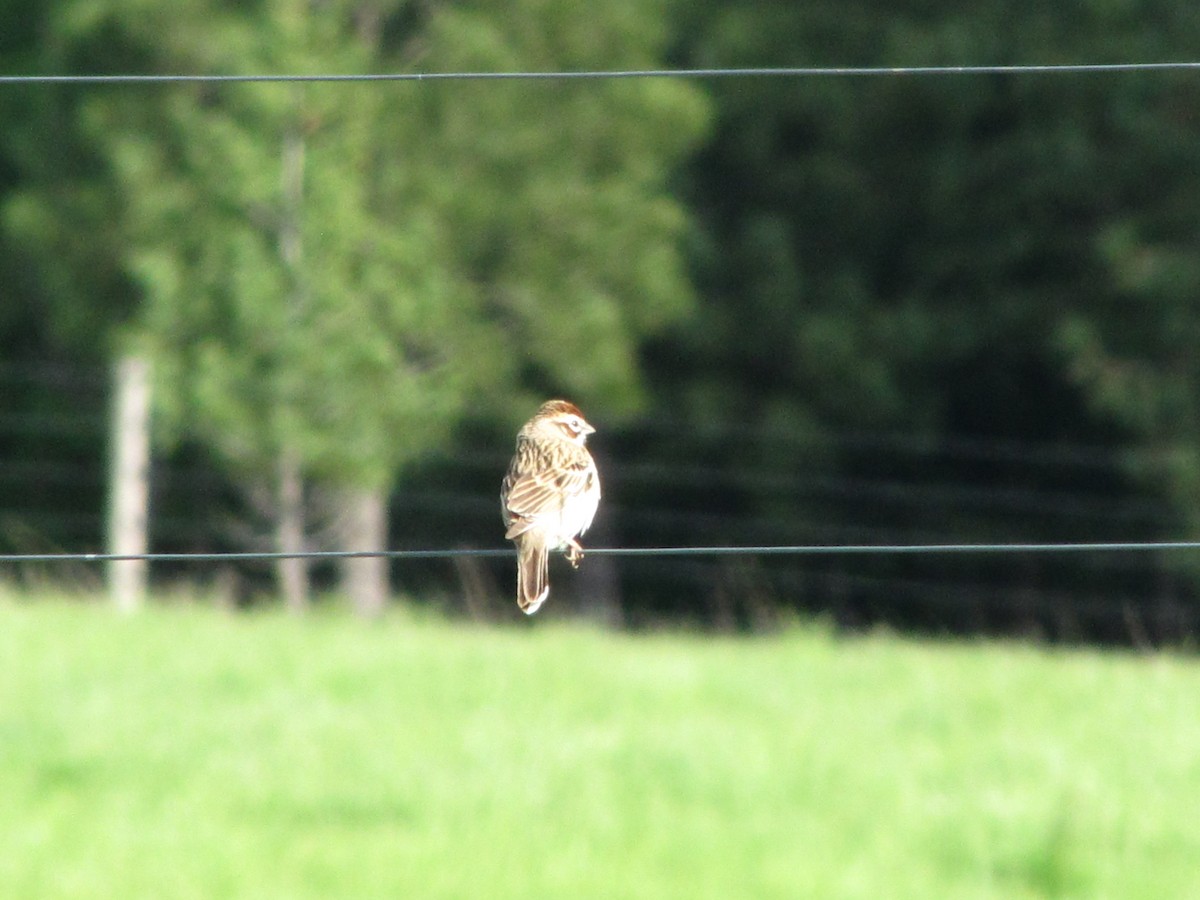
(185, 752)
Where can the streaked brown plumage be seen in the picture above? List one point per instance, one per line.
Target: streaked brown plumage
(549, 496)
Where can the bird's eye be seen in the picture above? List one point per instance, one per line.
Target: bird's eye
(574, 424)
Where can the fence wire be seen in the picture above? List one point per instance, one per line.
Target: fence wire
(609, 74)
(764, 550)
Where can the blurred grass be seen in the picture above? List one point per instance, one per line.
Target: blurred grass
(186, 752)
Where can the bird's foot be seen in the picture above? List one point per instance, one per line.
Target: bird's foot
(574, 553)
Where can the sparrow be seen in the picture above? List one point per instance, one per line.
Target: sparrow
(549, 496)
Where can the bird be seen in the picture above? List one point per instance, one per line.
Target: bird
(549, 495)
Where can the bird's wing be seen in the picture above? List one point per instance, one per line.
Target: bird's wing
(535, 493)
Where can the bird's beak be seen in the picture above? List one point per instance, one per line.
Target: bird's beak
(587, 429)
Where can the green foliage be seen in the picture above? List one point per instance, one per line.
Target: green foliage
(564, 226)
(342, 269)
(963, 261)
(267, 755)
(900, 225)
(954, 257)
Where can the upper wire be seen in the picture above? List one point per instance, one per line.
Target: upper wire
(745, 72)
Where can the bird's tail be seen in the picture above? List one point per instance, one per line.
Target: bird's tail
(533, 585)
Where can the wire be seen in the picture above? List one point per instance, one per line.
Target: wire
(250, 556)
(779, 550)
(780, 72)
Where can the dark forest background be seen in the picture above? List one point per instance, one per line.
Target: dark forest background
(804, 310)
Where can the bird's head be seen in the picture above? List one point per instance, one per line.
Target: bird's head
(564, 419)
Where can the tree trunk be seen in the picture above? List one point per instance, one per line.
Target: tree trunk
(363, 528)
(129, 500)
(293, 574)
(289, 532)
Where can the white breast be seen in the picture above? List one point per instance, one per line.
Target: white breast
(577, 512)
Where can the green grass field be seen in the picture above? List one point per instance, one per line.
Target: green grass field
(187, 752)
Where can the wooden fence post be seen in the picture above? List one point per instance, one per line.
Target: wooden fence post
(129, 485)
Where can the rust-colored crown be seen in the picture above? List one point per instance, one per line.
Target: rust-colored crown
(559, 408)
